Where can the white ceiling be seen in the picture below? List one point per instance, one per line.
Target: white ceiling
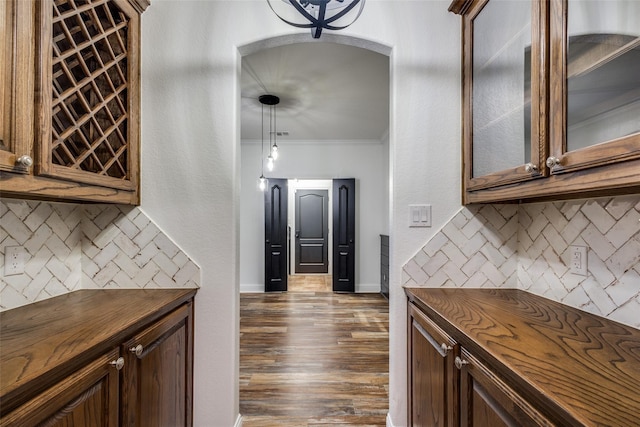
(327, 91)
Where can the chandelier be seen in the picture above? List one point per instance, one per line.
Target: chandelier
(271, 101)
(320, 13)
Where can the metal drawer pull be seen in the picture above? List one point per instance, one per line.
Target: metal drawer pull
(446, 348)
(460, 362)
(118, 364)
(530, 168)
(137, 350)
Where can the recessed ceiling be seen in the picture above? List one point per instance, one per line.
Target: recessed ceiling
(327, 91)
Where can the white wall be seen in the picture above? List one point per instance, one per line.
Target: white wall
(190, 155)
(366, 161)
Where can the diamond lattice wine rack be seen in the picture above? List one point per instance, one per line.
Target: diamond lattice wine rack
(90, 92)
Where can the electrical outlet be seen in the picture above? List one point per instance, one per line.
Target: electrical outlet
(578, 261)
(13, 260)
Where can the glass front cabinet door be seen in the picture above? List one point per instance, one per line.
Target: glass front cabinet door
(551, 99)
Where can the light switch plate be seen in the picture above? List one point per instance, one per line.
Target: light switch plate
(578, 260)
(419, 215)
(13, 260)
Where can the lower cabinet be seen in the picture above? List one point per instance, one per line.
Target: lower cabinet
(506, 357)
(487, 401)
(448, 386)
(147, 380)
(157, 381)
(87, 397)
(433, 378)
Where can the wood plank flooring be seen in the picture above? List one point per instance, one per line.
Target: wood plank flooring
(314, 359)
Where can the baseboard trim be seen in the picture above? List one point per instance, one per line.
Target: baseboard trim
(251, 288)
(238, 421)
(389, 422)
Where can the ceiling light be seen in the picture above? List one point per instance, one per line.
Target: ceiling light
(271, 101)
(327, 14)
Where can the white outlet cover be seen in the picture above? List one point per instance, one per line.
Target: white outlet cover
(578, 260)
(13, 260)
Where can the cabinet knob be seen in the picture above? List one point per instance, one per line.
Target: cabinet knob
(24, 161)
(460, 362)
(137, 350)
(531, 168)
(118, 364)
(553, 162)
(446, 348)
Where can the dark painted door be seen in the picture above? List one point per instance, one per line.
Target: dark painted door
(344, 234)
(312, 231)
(275, 235)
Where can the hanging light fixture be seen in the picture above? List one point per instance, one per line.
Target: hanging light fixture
(262, 182)
(320, 13)
(271, 101)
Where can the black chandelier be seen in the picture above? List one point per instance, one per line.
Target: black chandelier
(322, 13)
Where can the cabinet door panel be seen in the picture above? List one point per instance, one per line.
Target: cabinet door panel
(88, 398)
(432, 378)
(158, 381)
(486, 400)
(16, 84)
(88, 92)
(504, 100)
(596, 104)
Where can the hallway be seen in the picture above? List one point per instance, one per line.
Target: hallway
(313, 359)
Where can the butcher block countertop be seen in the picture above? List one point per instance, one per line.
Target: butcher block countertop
(51, 336)
(585, 368)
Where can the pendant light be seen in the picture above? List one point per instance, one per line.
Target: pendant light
(262, 182)
(271, 101)
(320, 14)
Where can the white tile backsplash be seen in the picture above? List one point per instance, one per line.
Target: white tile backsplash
(72, 246)
(527, 246)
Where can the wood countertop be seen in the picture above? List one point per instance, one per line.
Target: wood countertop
(51, 336)
(583, 368)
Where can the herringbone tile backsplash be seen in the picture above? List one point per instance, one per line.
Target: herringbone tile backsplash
(527, 246)
(70, 246)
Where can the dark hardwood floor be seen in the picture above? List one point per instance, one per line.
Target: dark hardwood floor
(314, 359)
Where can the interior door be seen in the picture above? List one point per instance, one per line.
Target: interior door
(344, 234)
(312, 231)
(275, 235)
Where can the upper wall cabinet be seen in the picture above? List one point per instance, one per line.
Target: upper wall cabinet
(551, 99)
(71, 100)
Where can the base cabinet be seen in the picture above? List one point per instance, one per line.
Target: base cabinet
(487, 401)
(433, 378)
(88, 397)
(147, 380)
(508, 358)
(157, 382)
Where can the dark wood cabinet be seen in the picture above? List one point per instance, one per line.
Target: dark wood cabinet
(433, 379)
(88, 397)
(157, 382)
(99, 358)
(517, 359)
(384, 265)
(70, 97)
(550, 99)
(487, 401)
